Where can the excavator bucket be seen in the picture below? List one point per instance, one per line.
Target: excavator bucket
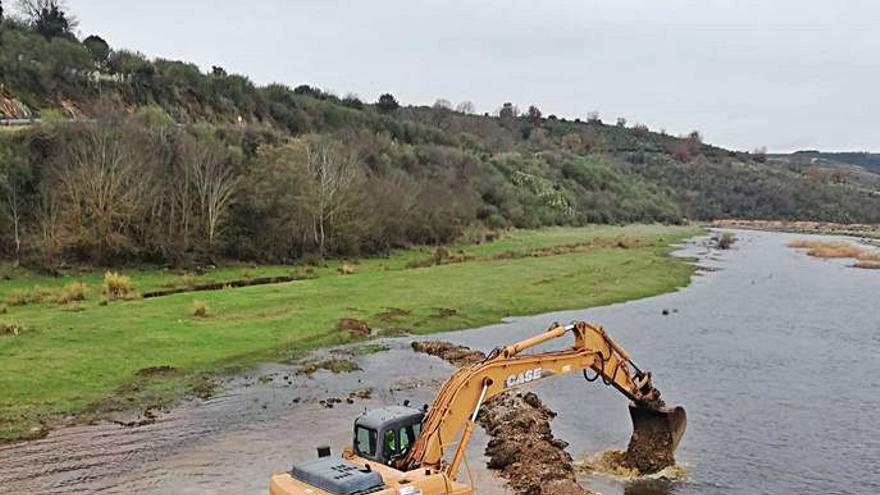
(656, 434)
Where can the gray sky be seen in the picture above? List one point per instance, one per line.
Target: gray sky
(786, 74)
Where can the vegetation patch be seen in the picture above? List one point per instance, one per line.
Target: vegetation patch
(336, 365)
(118, 286)
(200, 309)
(865, 257)
(11, 328)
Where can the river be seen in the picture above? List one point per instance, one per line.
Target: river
(772, 353)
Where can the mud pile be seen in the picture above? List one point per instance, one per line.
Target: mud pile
(457, 355)
(522, 446)
(524, 449)
(650, 449)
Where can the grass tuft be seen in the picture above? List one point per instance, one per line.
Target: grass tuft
(11, 328)
(72, 292)
(118, 286)
(200, 309)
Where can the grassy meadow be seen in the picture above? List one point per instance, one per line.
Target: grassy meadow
(88, 356)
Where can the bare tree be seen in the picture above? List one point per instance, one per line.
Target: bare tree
(215, 183)
(333, 170)
(465, 107)
(100, 187)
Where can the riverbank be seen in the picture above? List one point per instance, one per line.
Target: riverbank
(871, 231)
(84, 359)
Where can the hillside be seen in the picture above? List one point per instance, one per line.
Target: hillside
(865, 160)
(130, 159)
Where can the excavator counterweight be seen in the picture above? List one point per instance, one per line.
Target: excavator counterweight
(402, 451)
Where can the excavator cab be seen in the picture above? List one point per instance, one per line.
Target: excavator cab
(385, 435)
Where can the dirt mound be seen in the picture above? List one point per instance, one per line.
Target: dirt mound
(457, 355)
(522, 446)
(354, 326)
(524, 449)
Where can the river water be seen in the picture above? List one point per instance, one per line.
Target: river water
(773, 353)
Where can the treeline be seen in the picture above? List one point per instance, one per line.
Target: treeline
(128, 187)
(140, 160)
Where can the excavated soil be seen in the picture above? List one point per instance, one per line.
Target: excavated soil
(454, 354)
(522, 446)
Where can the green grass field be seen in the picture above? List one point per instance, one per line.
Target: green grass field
(83, 358)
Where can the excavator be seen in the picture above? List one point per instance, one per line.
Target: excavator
(400, 450)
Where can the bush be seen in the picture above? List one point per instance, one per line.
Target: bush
(118, 286)
(14, 329)
(347, 269)
(200, 309)
(74, 291)
(18, 297)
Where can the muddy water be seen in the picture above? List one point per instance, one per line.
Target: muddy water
(774, 356)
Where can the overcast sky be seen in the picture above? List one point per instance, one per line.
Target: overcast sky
(786, 74)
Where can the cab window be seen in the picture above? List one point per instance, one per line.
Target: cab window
(366, 441)
(389, 447)
(407, 436)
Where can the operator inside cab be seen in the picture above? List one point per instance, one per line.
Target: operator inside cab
(398, 427)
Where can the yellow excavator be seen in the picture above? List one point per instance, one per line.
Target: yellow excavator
(399, 450)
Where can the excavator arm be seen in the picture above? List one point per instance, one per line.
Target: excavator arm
(451, 418)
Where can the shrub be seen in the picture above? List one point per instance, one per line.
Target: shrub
(74, 291)
(247, 274)
(118, 286)
(347, 269)
(726, 240)
(3, 309)
(200, 309)
(188, 279)
(18, 297)
(10, 328)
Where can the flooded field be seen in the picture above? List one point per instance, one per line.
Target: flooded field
(773, 355)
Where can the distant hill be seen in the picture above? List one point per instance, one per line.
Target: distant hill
(868, 161)
(195, 165)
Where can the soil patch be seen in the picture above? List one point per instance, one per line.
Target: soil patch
(357, 327)
(156, 370)
(457, 355)
(335, 365)
(391, 314)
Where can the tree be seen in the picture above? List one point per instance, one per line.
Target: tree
(593, 117)
(387, 103)
(98, 48)
(15, 174)
(214, 182)
(332, 170)
(508, 111)
(465, 107)
(442, 104)
(621, 122)
(1, 12)
(49, 17)
(100, 189)
(534, 115)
